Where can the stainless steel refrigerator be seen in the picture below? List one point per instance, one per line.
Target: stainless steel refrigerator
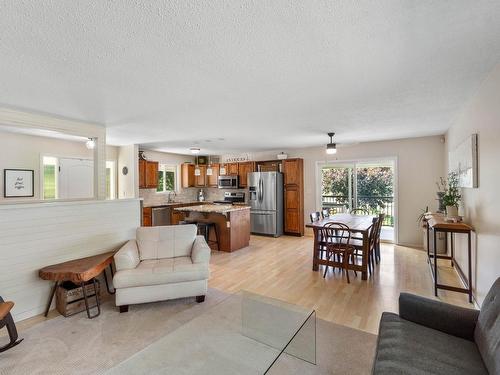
(266, 201)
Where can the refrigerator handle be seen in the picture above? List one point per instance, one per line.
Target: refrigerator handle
(261, 187)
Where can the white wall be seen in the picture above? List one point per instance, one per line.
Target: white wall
(128, 185)
(482, 205)
(24, 152)
(420, 164)
(35, 235)
(15, 118)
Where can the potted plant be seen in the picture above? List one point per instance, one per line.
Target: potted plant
(442, 186)
(452, 197)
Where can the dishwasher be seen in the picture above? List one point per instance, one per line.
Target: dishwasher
(160, 216)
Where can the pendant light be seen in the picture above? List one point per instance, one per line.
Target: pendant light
(331, 148)
(209, 168)
(197, 171)
(222, 169)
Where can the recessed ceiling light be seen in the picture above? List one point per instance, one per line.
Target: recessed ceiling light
(194, 150)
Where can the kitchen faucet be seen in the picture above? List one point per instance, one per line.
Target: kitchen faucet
(170, 196)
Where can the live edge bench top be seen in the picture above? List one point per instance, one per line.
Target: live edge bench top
(78, 270)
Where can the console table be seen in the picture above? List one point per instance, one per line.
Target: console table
(436, 223)
(79, 271)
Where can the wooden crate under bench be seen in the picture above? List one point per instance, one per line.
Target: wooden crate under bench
(69, 297)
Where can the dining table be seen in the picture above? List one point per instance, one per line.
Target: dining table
(357, 224)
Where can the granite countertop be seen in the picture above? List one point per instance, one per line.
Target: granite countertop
(213, 208)
(171, 204)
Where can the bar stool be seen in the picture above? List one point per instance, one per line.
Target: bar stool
(204, 230)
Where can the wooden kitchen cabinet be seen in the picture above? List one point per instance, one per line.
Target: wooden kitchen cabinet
(142, 174)
(244, 168)
(232, 169)
(293, 170)
(187, 172)
(176, 217)
(147, 219)
(201, 180)
(148, 174)
(212, 181)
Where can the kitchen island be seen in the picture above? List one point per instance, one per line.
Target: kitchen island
(232, 223)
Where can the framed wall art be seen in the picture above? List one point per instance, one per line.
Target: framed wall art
(18, 183)
(464, 161)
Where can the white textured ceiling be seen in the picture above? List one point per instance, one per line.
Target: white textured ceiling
(260, 74)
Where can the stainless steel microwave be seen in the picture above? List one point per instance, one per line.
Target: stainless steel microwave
(228, 182)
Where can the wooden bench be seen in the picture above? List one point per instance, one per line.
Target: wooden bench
(79, 271)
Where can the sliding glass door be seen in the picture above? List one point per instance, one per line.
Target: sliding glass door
(360, 185)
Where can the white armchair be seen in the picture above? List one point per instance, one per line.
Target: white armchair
(163, 263)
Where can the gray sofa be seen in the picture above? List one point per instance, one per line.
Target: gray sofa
(432, 337)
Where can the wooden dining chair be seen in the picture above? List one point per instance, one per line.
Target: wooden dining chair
(337, 244)
(325, 213)
(359, 211)
(7, 321)
(381, 218)
(357, 243)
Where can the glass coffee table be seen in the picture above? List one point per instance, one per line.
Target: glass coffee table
(246, 333)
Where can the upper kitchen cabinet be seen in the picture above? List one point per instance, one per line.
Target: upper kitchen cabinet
(187, 172)
(148, 174)
(231, 169)
(212, 180)
(244, 168)
(293, 170)
(201, 180)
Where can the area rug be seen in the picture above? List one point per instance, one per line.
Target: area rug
(77, 345)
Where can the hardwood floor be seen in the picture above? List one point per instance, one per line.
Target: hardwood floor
(282, 268)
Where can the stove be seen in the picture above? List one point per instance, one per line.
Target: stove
(232, 197)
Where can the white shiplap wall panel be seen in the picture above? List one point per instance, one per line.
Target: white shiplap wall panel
(36, 235)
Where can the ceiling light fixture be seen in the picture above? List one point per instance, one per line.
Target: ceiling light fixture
(197, 171)
(209, 167)
(194, 150)
(90, 144)
(331, 148)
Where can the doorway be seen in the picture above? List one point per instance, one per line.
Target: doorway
(366, 185)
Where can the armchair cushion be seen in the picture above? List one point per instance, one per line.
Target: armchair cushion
(161, 271)
(454, 320)
(127, 257)
(487, 334)
(200, 252)
(165, 241)
(405, 347)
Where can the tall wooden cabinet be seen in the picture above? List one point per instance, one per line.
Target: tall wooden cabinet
(201, 180)
(293, 170)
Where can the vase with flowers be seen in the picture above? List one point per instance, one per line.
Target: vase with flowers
(452, 197)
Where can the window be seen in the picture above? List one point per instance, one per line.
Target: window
(49, 182)
(110, 179)
(167, 178)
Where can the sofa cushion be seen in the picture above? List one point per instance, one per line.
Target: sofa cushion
(165, 241)
(487, 333)
(161, 271)
(405, 347)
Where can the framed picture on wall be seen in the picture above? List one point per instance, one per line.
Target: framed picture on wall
(18, 183)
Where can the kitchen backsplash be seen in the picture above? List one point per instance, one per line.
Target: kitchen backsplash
(151, 197)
